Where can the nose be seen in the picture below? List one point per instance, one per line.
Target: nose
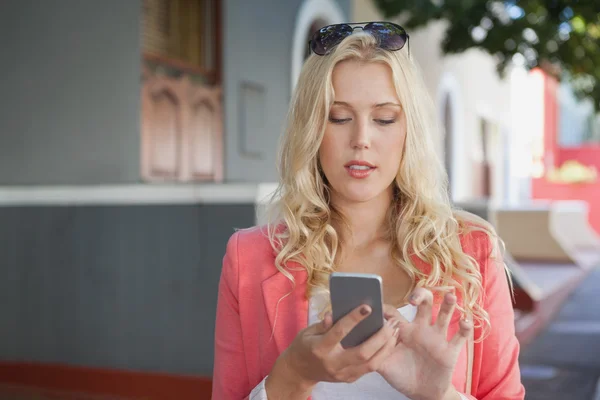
(361, 138)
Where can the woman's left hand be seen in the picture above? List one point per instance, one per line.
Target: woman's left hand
(422, 365)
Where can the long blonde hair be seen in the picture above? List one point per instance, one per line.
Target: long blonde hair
(422, 222)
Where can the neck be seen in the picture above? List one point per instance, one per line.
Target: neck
(366, 221)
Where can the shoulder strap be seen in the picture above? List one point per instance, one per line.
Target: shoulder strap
(470, 350)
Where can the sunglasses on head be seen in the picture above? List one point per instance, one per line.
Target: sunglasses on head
(389, 36)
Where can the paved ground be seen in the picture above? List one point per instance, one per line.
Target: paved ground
(563, 362)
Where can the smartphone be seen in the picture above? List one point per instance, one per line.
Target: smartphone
(350, 290)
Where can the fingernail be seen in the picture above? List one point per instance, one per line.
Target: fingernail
(364, 310)
(396, 331)
(413, 297)
(396, 324)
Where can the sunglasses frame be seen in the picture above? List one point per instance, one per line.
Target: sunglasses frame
(359, 25)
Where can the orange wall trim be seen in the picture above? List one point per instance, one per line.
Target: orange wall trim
(106, 382)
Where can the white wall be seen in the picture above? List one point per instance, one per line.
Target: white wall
(327, 11)
(473, 80)
(261, 45)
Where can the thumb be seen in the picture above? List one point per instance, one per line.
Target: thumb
(327, 320)
(325, 324)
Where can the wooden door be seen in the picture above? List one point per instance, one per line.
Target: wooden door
(162, 130)
(181, 130)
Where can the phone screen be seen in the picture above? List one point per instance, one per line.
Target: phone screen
(350, 290)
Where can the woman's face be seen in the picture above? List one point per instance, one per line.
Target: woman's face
(364, 137)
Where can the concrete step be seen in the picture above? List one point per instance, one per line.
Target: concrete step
(550, 285)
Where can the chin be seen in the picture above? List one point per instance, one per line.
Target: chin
(360, 193)
(359, 198)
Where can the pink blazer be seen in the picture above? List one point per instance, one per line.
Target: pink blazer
(249, 336)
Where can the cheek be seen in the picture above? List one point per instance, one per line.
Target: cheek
(328, 152)
(394, 158)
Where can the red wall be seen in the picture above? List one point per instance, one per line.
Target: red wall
(590, 192)
(587, 155)
(55, 381)
(554, 156)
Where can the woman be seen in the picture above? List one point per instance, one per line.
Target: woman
(362, 190)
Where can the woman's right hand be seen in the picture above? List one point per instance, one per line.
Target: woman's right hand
(316, 355)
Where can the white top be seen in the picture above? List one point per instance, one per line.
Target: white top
(370, 386)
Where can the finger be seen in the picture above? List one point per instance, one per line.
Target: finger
(460, 337)
(366, 350)
(342, 327)
(445, 314)
(327, 320)
(353, 372)
(321, 327)
(384, 352)
(390, 312)
(423, 299)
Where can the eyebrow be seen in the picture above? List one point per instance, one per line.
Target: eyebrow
(387, 103)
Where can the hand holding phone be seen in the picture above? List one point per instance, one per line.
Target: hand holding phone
(314, 354)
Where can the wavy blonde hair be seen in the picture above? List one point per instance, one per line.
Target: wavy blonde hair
(421, 220)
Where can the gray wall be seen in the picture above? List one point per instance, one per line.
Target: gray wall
(257, 62)
(132, 287)
(70, 82)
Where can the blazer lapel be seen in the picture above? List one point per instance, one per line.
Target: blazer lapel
(286, 305)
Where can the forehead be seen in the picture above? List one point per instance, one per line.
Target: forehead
(359, 82)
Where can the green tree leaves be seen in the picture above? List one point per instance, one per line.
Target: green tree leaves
(560, 36)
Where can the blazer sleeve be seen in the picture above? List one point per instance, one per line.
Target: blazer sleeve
(499, 374)
(230, 376)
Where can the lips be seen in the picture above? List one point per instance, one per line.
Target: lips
(359, 169)
(358, 163)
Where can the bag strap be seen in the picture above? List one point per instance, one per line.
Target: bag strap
(470, 350)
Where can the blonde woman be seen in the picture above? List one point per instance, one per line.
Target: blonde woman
(362, 190)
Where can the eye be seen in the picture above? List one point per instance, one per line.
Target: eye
(339, 120)
(385, 121)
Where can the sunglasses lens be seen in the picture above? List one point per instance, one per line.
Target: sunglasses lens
(390, 36)
(326, 38)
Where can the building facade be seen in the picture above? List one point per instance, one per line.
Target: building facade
(124, 170)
